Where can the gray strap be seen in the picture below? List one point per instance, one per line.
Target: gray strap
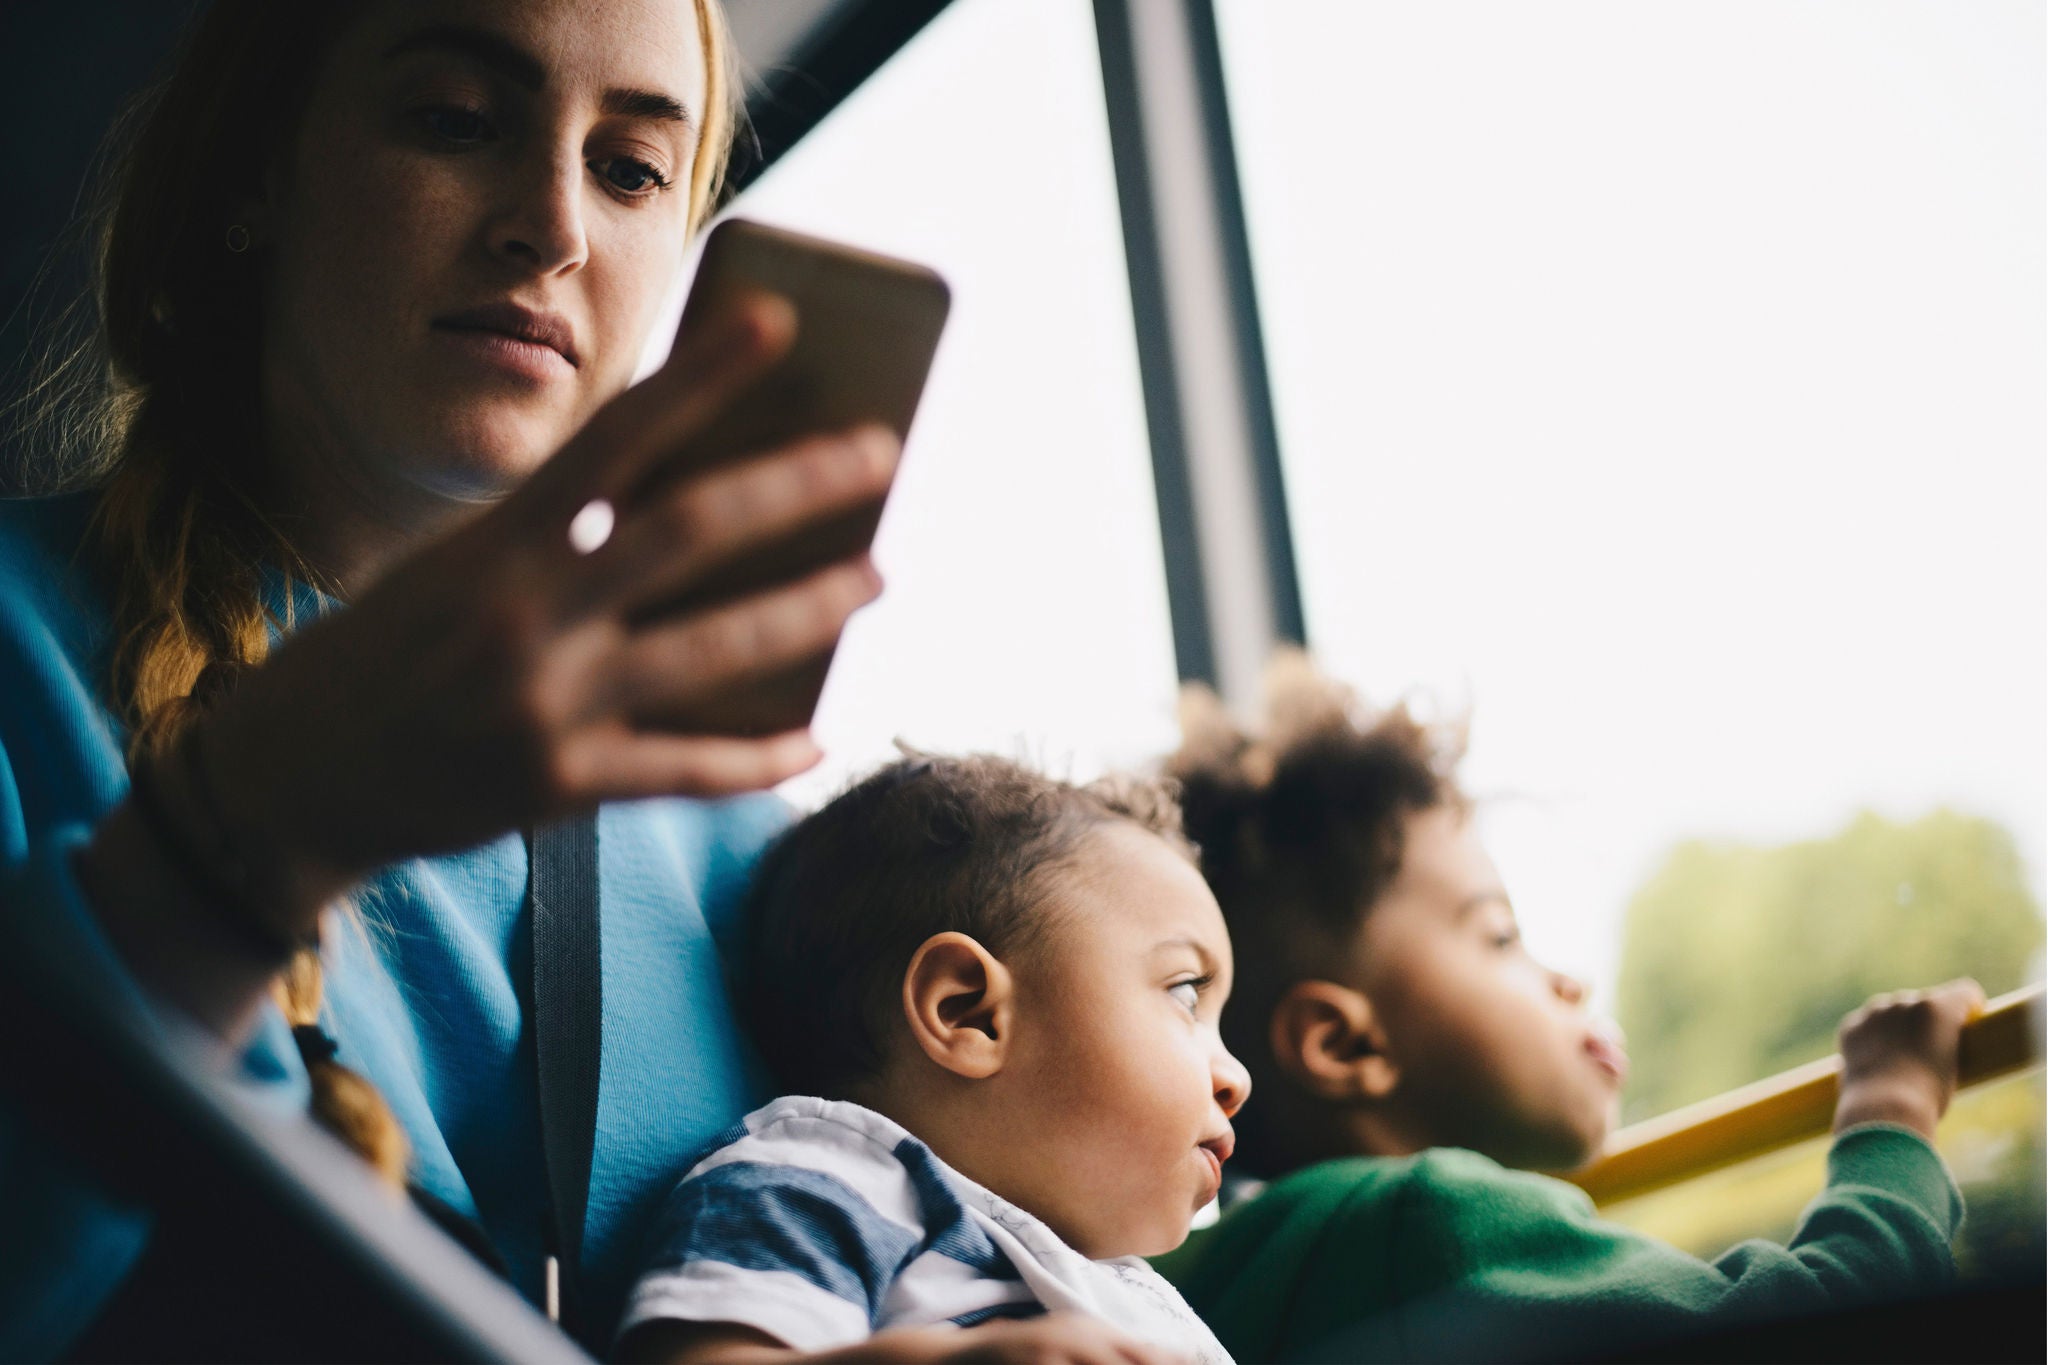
(568, 976)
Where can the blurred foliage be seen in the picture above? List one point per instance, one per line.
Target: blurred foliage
(1740, 961)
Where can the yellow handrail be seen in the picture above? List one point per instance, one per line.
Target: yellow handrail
(1787, 1108)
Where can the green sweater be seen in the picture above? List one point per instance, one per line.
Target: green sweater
(1448, 1256)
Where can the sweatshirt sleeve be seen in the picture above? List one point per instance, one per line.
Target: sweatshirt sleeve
(1506, 1264)
(66, 1244)
(1447, 1256)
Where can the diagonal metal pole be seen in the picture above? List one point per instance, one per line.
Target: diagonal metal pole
(1215, 452)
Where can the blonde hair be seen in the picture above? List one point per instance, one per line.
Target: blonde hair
(155, 404)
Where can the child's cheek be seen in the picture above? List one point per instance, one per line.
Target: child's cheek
(1526, 977)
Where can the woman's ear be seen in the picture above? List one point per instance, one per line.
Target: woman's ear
(1327, 1038)
(254, 206)
(960, 1002)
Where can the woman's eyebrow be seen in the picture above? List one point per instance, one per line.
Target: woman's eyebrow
(647, 104)
(523, 69)
(494, 50)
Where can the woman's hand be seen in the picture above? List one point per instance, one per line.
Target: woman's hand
(1899, 1056)
(499, 677)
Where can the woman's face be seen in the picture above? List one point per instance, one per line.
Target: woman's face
(483, 209)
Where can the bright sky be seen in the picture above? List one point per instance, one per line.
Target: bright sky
(1666, 382)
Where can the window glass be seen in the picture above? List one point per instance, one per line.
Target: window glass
(1026, 603)
(1666, 384)
(1991, 1140)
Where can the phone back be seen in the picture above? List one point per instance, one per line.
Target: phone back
(867, 327)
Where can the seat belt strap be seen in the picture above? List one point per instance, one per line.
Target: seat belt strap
(568, 977)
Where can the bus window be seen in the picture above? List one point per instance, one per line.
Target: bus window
(1026, 608)
(1667, 384)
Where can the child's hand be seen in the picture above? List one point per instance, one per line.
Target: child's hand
(1899, 1056)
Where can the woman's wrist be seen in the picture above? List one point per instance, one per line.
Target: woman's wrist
(206, 905)
(212, 875)
(250, 814)
(180, 950)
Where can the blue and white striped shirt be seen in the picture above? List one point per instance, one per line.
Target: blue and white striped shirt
(822, 1222)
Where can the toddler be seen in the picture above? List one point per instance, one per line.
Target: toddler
(1413, 1062)
(993, 1002)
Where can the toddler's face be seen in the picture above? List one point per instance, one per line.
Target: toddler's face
(1497, 1052)
(1127, 1085)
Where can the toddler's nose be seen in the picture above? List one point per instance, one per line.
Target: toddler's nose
(1233, 1083)
(1569, 988)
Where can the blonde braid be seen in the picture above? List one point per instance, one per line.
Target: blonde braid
(185, 600)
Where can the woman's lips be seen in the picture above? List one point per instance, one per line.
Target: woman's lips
(529, 360)
(530, 342)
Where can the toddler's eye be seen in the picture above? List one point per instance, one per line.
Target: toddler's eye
(1189, 993)
(629, 175)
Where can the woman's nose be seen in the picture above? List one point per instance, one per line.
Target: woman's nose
(1233, 1083)
(541, 228)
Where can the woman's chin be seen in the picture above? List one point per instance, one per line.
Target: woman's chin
(482, 459)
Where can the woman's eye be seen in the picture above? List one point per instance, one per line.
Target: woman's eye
(1189, 993)
(629, 175)
(454, 123)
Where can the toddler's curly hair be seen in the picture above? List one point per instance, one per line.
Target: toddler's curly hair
(927, 844)
(1300, 831)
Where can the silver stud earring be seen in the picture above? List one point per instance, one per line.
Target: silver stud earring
(238, 238)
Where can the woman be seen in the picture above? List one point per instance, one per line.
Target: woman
(375, 279)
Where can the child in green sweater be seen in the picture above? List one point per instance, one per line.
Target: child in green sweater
(1413, 1063)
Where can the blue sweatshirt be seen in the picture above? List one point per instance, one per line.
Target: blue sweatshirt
(423, 988)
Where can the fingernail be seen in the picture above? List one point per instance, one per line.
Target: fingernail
(878, 445)
(757, 320)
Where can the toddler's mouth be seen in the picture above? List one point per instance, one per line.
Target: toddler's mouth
(1217, 1150)
(1603, 1045)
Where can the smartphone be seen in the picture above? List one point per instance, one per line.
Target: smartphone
(867, 327)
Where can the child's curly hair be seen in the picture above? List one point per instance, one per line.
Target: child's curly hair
(1300, 833)
(841, 902)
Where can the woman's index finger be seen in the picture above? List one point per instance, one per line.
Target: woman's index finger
(633, 433)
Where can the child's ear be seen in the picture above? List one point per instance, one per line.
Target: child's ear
(1327, 1038)
(960, 1002)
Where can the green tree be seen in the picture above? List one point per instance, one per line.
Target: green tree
(1739, 961)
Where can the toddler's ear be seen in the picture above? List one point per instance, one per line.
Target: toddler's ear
(959, 1001)
(1327, 1039)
